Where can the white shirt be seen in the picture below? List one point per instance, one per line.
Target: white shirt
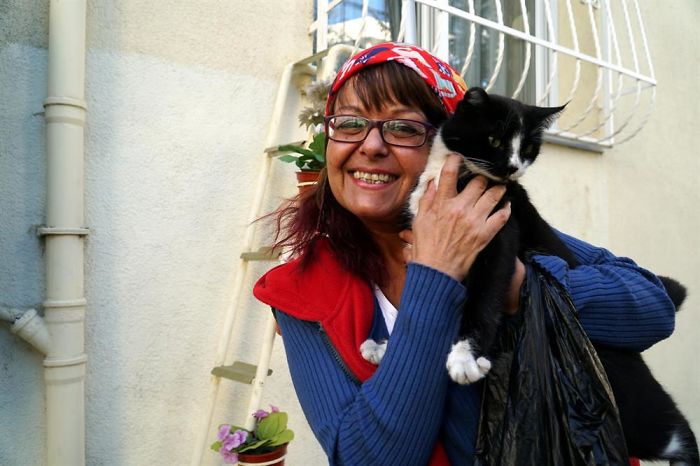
(388, 310)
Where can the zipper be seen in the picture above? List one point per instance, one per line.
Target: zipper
(336, 355)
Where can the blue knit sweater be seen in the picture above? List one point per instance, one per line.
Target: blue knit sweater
(395, 417)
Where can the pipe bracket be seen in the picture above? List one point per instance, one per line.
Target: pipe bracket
(70, 101)
(46, 231)
(64, 303)
(62, 362)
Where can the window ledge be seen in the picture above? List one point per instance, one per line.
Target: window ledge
(575, 142)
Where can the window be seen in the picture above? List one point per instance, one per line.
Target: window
(590, 53)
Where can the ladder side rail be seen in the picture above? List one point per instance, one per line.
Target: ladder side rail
(273, 131)
(261, 371)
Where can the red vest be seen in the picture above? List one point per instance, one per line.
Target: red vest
(344, 305)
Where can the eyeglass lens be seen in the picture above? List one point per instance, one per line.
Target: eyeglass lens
(407, 133)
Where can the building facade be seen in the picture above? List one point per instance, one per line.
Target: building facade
(179, 96)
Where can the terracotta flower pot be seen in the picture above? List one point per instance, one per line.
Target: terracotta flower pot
(307, 180)
(273, 458)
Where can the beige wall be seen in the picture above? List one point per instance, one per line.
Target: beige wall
(654, 196)
(179, 96)
(640, 199)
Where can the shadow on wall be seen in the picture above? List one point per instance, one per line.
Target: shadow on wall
(22, 201)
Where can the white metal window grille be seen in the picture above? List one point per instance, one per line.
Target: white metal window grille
(592, 54)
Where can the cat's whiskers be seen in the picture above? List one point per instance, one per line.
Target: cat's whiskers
(479, 167)
(484, 165)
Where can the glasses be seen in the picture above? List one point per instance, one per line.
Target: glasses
(396, 132)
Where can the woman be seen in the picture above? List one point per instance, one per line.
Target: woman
(353, 277)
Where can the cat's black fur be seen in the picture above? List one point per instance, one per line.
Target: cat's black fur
(484, 130)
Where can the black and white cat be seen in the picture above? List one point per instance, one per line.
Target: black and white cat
(500, 138)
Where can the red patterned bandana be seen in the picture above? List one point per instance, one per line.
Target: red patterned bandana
(441, 77)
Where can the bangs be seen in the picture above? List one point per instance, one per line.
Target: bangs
(393, 83)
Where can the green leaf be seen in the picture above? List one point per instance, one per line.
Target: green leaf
(272, 425)
(254, 445)
(282, 438)
(297, 149)
(318, 145)
(289, 147)
(216, 446)
(289, 158)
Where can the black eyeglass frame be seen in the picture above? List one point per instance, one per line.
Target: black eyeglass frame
(379, 124)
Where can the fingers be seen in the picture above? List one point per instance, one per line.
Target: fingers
(448, 176)
(495, 221)
(476, 189)
(428, 197)
(489, 199)
(407, 237)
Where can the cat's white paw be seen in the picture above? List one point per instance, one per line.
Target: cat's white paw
(373, 351)
(463, 367)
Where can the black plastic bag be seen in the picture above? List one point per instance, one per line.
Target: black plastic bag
(547, 400)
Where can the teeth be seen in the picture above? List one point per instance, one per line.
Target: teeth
(373, 178)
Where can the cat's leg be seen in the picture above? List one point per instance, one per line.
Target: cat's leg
(463, 364)
(373, 351)
(488, 286)
(470, 358)
(682, 448)
(654, 427)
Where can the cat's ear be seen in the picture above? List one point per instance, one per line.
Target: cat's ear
(475, 97)
(545, 116)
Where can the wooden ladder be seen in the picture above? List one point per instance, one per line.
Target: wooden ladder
(294, 77)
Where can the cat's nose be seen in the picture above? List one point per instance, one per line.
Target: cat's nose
(511, 169)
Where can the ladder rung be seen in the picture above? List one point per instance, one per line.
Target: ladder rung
(239, 371)
(265, 253)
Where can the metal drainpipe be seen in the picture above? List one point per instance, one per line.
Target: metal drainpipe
(64, 233)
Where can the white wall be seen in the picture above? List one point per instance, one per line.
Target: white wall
(640, 199)
(179, 97)
(654, 196)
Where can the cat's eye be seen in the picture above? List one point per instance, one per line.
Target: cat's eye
(494, 141)
(528, 149)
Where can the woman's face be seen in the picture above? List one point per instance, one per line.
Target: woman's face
(377, 205)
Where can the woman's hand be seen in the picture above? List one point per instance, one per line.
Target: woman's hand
(451, 228)
(516, 283)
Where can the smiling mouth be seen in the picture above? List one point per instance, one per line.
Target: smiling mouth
(373, 178)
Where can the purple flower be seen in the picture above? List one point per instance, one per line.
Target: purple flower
(229, 456)
(224, 432)
(260, 414)
(274, 409)
(235, 440)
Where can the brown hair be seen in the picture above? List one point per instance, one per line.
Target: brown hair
(318, 214)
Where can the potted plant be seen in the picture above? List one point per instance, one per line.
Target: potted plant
(265, 444)
(310, 157)
(309, 160)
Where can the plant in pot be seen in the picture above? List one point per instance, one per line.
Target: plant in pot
(310, 156)
(265, 444)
